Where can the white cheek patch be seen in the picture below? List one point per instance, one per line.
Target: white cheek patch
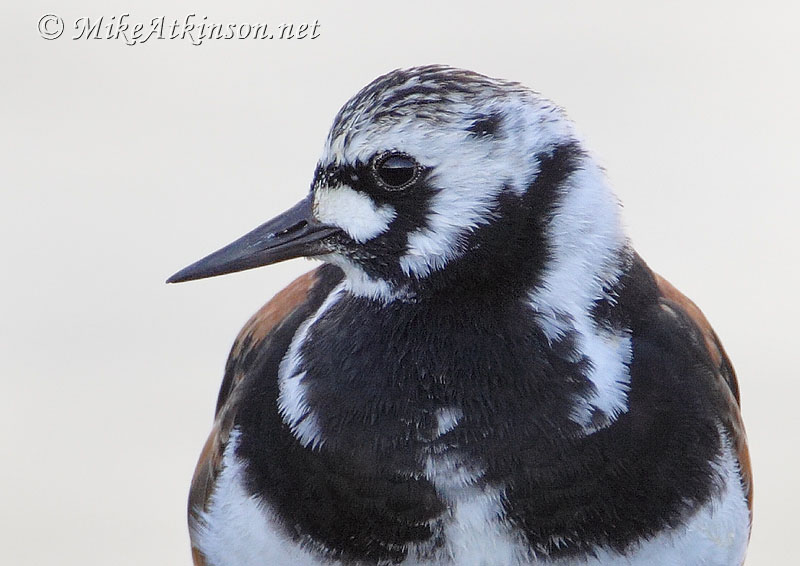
(353, 212)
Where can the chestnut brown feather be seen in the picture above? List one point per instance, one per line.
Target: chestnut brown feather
(724, 372)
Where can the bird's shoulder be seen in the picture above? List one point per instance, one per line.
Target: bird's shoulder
(674, 342)
(723, 375)
(282, 315)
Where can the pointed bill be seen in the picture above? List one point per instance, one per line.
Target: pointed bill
(295, 233)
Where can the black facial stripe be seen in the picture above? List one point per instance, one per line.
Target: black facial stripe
(507, 255)
(380, 256)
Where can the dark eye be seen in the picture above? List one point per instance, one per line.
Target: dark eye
(395, 171)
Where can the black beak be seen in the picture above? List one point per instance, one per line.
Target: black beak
(292, 234)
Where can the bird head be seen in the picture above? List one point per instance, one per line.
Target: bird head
(434, 177)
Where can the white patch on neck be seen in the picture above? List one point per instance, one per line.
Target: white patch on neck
(358, 283)
(237, 529)
(292, 403)
(589, 253)
(353, 212)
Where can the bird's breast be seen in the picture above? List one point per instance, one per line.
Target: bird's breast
(435, 436)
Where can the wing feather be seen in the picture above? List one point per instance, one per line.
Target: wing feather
(724, 373)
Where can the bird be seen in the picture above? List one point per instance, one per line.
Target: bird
(481, 372)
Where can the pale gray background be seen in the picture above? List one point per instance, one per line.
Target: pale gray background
(119, 165)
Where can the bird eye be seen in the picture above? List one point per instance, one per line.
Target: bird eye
(395, 171)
